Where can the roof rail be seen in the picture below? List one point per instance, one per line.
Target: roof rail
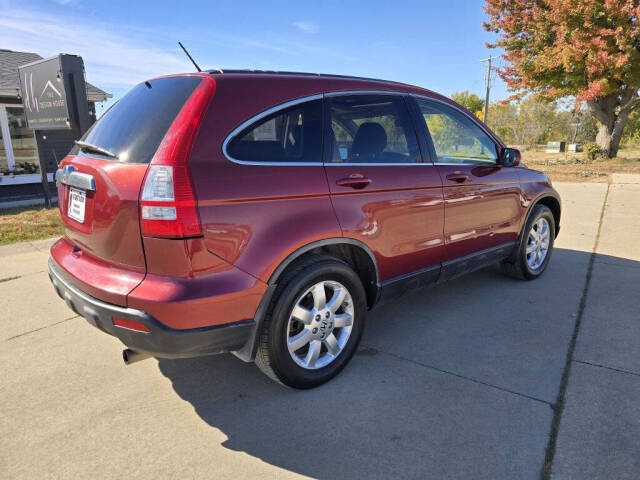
(218, 71)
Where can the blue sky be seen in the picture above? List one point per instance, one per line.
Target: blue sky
(436, 45)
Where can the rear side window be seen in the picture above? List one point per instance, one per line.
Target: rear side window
(370, 129)
(133, 128)
(290, 135)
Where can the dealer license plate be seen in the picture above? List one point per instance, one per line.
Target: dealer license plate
(77, 202)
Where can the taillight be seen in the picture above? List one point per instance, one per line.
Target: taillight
(168, 203)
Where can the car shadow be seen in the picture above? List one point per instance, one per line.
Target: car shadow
(455, 380)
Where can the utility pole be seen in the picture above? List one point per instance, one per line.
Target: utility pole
(486, 98)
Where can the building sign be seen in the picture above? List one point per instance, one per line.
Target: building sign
(50, 93)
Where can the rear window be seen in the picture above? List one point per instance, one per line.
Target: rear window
(290, 135)
(133, 128)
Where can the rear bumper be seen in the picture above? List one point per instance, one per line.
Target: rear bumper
(160, 341)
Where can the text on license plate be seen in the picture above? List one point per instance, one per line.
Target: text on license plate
(77, 201)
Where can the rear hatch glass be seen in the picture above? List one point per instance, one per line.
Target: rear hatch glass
(103, 218)
(133, 128)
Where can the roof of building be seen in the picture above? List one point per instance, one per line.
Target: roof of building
(10, 85)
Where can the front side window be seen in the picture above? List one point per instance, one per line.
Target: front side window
(456, 138)
(291, 135)
(370, 129)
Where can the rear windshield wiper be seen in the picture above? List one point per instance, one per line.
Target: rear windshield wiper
(89, 147)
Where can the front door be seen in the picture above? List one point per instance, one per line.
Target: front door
(482, 197)
(382, 191)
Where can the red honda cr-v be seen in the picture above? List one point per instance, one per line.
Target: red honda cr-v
(265, 213)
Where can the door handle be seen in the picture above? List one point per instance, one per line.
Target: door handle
(458, 177)
(358, 182)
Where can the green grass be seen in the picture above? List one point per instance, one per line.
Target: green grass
(29, 223)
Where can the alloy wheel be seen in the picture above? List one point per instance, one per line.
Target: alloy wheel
(320, 324)
(538, 243)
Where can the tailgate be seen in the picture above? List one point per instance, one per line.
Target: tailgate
(103, 220)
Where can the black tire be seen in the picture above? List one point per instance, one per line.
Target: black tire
(273, 356)
(517, 266)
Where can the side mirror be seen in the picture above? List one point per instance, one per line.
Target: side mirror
(510, 157)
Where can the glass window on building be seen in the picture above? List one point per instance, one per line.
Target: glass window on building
(6, 157)
(25, 151)
(3, 155)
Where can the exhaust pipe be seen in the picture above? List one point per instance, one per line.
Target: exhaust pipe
(130, 356)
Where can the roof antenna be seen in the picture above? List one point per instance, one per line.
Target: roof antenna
(190, 57)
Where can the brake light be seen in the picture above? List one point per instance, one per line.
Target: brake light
(168, 203)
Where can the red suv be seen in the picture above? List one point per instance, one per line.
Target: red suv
(264, 213)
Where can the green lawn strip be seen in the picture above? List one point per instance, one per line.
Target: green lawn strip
(29, 223)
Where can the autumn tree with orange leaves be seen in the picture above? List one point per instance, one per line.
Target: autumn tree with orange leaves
(589, 49)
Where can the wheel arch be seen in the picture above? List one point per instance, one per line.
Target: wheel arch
(354, 252)
(550, 201)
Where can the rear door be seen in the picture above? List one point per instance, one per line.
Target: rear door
(269, 196)
(383, 193)
(482, 198)
(99, 183)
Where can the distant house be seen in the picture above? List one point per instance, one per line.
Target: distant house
(20, 149)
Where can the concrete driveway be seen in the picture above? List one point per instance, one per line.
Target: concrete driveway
(484, 377)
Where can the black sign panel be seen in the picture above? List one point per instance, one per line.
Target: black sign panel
(52, 89)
